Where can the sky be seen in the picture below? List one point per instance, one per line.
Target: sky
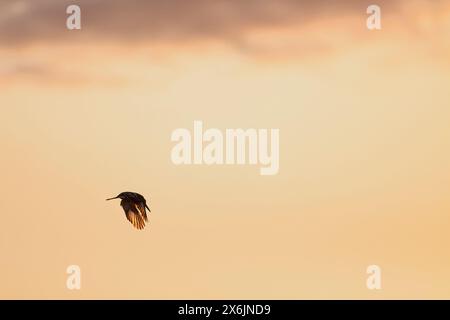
(364, 149)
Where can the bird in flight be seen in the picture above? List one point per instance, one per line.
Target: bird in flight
(135, 207)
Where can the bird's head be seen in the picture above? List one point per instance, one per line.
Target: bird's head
(120, 196)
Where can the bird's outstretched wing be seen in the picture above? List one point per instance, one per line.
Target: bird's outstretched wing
(133, 215)
(141, 207)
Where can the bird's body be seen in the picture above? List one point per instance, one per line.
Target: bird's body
(135, 207)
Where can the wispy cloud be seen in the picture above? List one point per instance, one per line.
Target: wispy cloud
(34, 38)
(25, 21)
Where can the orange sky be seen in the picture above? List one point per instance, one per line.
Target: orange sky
(364, 149)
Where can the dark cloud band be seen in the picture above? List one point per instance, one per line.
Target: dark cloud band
(26, 21)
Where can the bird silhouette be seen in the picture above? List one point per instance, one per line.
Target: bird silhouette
(135, 207)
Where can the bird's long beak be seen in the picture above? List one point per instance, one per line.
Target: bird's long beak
(112, 198)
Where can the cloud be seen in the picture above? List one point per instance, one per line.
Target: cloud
(34, 39)
(27, 21)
